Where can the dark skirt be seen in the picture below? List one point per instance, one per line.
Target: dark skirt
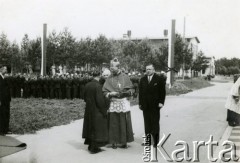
(120, 128)
(233, 118)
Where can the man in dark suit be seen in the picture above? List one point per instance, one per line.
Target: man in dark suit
(5, 99)
(152, 94)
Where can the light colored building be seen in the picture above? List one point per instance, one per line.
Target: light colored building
(210, 70)
(157, 42)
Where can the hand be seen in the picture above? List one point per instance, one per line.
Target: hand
(236, 100)
(113, 94)
(160, 105)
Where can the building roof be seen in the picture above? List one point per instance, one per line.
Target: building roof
(158, 38)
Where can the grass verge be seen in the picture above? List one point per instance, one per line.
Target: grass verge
(185, 86)
(31, 115)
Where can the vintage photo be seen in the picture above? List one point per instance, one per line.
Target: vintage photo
(118, 81)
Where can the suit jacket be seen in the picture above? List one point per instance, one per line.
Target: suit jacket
(4, 91)
(153, 93)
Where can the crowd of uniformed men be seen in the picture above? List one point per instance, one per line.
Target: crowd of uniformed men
(65, 86)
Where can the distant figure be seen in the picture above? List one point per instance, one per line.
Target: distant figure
(151, 99)
(75, 69)
(95, 125)
(5, 99)
(30, 69)
(53, 67)
(64, 69)
(60, 69)
(233, 105)
(78, 70)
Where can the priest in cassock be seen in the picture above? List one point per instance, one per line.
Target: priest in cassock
(95, 127)
(5, 99)
(118, 88)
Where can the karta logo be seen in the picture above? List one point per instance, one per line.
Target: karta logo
(150, 152)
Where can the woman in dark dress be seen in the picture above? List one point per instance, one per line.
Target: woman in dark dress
(233, 105)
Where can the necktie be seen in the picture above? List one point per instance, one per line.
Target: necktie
(149, 79)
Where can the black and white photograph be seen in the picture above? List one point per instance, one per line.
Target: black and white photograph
(123, 81)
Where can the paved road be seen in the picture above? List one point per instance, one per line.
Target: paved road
(190, 117)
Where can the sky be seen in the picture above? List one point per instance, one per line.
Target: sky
(216, 23)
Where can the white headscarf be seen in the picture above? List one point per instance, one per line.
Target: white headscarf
(235, 88)
(230, 103)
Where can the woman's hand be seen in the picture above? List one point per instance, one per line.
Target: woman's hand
(113, 94)
(236, 98)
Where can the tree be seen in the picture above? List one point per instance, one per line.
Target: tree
(200, 63)
(101, 50)
(25, 44)
(85, 51)
(226, 66)
(16, 62)
(183, 54)
(5, 53)
(53, 44)
(67, 48)
(130, 58)
(144, 53)
(162, 58)
(34, 53)
(117, 49)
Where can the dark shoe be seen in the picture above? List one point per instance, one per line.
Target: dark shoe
(124, 146)
(114, 146)
(89, 147)
(95, 150)
(232, 124)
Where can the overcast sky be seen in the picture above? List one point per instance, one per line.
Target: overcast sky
(215, 22)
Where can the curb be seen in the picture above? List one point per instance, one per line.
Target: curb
(225, 136)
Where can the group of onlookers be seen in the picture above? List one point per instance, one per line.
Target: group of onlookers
(65, 86)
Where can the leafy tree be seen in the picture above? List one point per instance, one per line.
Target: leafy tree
(183, 54)
(5, 53)
(162, 58)
(144, 53)
(16, 62)
(34, 53)
(25, 46)
(101, 50)
(116, 48)
(52, 49)
(233, 70)
(200, 63)
(226, 66)
(86, 51)
(67, 47)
